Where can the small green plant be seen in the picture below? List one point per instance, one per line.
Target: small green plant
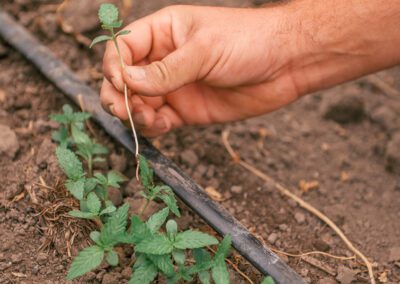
(159, 246)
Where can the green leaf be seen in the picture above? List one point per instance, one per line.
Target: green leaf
(193, 239)
(80, 214)
(67, 109)
(108, 210)
(224, 247)
(79, 136)
(203, 261)
(93, 203)
(268, 280)
(116, 24)
(80, 117)
(172, 228)
(114, 178)
(112, 258)
(163, 263)
(90, 184)
(95, 236)
(170, 201)
(61, 136)
(146, 173)
(99, 149)
(138, 232)
(158, 244)
(220, 272)
(100, 39)
(204, 277)
(69, 163)
(115, 226)
(76, 188)
(155, 221)
(179, 256)
(123, 32)
(87, 259)
(101, 179)
(108, 14)
(144, 271)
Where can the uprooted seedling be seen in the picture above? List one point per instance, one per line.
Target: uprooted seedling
(160, 248)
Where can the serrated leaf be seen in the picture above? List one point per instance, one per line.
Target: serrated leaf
(144, 271)
(108, 210)
(90, 184)
(76, 188)
(114, 178)
(79, 136)
(101, 179)
(146, 173)
(87, 259)
(268, 280)
(193, 239)
(138, 232)
(170, 201)
(69, 163)
(203, 261)
(172, 228)
(163, 263)
(123, 32)
(179, 256)
(99, 39)
(80, 117)
(116, 24)
(93, 203)
(67, 109)
(95, 236)
(112, 258)
(80, 214)
(115, 227)
(204, 277)
(60, 118)
(99, 149)
(158, 244)
(108, 13)
(224, 247)
(220, 272)
(60, 136)
(155, 221)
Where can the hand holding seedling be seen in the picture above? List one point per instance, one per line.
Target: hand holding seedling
(200, 65)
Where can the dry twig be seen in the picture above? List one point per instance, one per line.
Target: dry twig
(283, 190)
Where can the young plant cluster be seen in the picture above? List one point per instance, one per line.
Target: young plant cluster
(159, 246)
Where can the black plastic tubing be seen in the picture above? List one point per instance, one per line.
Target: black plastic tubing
(187, 190)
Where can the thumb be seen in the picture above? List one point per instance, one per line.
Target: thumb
(177, 69)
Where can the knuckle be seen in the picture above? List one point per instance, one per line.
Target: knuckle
(161, 75)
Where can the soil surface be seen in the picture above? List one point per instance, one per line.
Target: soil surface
(338, 149)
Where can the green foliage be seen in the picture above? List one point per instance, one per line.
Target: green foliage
(87, 259)
(268, 280)
(160, 247)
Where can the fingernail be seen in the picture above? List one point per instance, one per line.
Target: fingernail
(136, 73)
(160, 123)
(139, 118)
(117, 84)
(112, 109)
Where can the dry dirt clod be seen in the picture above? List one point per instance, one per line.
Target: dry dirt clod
(9, 144)
(189, 157)
(115, 195)
(393, 154)
(346, 275)
(272, 238)
(237, 189)
(394, 254)
(300, 217)
(343, 109)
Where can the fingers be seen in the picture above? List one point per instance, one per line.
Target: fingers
(177, 69)
(149, 37)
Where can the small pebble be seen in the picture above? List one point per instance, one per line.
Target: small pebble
(272, 238)
(237, 189)
(300, 217)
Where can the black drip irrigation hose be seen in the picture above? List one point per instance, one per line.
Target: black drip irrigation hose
(215, 215)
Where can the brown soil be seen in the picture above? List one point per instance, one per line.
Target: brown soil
(345, 140)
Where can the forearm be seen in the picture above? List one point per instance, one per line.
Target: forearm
(341, 40)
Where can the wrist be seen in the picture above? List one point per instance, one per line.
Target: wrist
(341, 41)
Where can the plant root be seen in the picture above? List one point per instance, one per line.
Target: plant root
(283, 190)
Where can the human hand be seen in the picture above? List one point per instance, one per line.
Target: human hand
(189, 65)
